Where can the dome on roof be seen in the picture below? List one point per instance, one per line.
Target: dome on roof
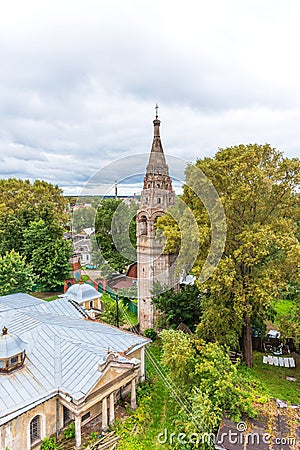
(12, 351)
(10, 345)
(82, 292)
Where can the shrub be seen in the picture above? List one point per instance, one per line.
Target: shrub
(69, 432)
(150, 333)
(49, 444)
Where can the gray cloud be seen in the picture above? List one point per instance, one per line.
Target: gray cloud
(79, 81)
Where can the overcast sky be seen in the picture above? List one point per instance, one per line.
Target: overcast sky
(79, 81)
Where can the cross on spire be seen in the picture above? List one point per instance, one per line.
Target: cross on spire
(156, 109)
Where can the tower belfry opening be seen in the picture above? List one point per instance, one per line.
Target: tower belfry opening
(157, 195)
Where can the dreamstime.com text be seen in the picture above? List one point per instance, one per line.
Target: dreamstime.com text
(239, 437)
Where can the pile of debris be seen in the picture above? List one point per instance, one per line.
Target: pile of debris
(107, 442)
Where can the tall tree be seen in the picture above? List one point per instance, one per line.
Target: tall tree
(21, 203)
(116, 233)
(177, 307)
(83, 217)
(32, 221)
(259, 191)
(207, 382)
(15, 274)
(48, 253)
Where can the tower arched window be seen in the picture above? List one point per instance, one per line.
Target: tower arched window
(158, 185)
(35, 430)
(143, 225)
(158, 200)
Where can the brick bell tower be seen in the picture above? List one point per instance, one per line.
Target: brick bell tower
(157, 195)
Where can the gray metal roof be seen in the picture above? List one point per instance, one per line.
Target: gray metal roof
(82, 292)
(63, 351)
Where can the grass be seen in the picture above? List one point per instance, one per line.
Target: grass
(154, 414)
(131, 318)
(273, 379)
(282, 308)
(85, 278)
(47, 296)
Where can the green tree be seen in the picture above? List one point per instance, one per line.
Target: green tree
(116, 233)
(15, 274)
(179, 306)
(83, 218)
(109, 313)
(259, 191)
(32, 221)
(48, 253)
(206, 378)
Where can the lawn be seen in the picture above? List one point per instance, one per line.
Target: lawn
(155, 412)
(48, 296)
(282, 308)
(273, 379)
(130, 318)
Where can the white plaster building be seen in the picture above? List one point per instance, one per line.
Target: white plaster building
(57, 365)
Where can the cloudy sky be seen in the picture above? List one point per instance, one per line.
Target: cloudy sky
(79, 81)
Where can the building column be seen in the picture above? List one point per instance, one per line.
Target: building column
(104, 414)
(111, 408)
(143, 373)
(133, 395)
(77, 431)
(61, 416)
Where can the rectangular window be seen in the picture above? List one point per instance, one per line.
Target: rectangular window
(86, 416)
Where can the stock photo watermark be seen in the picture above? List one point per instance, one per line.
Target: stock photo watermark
(239, 436)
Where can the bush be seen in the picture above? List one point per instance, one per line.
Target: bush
(69, 432)
(150, 333)
(49, 444)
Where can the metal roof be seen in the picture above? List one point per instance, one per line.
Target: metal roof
(63, 352)
(82, 292)
(11, 345)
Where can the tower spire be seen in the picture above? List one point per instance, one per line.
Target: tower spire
(156, 144)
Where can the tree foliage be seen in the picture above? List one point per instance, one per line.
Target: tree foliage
(15, 274)
(116, 233)
(83, 217)
(207, 379)
(48, 253)
(32, 221)
(179, 306)
(259, 191)
(109, 313)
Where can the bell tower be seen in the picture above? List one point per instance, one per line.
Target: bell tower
(157, 195)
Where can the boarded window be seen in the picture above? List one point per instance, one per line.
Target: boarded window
(67, 415)
(86, 416)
